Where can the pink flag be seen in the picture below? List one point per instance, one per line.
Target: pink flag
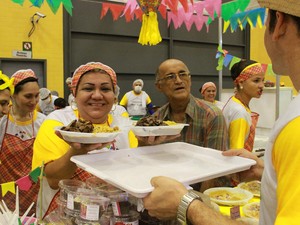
(24, 183)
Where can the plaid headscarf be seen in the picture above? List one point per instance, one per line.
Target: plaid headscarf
(248, 72)
(22, 75)
(207, 85)
(8, 83)
(91, 66)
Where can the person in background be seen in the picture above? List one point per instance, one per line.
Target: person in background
(118, 109)
(137, 102)
(18, 130)
(6, 90)
(55, 93)
(209, 92)
(71, 96)
(60, 103)
(46, 102)
(248, 77)
(280, 168)
(94, 91)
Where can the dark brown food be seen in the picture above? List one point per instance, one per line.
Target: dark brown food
(79, 126)
(150, 121)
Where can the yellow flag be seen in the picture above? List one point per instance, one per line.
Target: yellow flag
(10, 186)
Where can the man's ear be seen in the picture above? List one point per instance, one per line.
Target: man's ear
(158, 86)
(280, 27)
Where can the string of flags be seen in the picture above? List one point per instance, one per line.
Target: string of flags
(226, 59)
(178, 12)
(24, 183)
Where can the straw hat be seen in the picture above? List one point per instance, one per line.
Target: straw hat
(291, 7)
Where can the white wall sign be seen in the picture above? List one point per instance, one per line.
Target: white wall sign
(22, 54)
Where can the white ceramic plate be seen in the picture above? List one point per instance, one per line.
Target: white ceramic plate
(132, 169)
(229, 196)
(252, 186)
(144, 131)
(87, 138)
(252, 210)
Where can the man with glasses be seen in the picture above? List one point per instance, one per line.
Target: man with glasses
(207, 126)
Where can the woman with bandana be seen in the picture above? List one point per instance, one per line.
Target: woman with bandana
(209, 92)
(94, 91)
(18, 130)
(248, 77)
(6, 90)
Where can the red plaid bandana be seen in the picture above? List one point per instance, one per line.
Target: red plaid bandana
(248, 72)
(22, 75)
(90, 66)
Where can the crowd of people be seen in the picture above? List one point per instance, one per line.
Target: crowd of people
(29, 115)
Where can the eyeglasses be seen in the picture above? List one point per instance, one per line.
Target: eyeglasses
(173, 76)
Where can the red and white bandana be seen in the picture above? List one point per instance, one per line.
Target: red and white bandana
(22, 75)
(90, 66)
(248, 72)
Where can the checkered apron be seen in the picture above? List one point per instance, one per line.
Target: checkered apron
(15, 163)
(250, 140)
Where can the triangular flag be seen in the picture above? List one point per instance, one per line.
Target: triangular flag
(20, 2)
(24, 183)
(9, 186)
(34, 174)
(68, 6)
(227, 60)
(234, 61)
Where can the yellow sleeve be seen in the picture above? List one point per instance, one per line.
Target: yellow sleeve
(148, 101)
(47, 145)
(238, 130)
(133, 142)
(124, 101)
(286, 162)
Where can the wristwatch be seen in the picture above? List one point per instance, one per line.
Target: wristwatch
(184, 204)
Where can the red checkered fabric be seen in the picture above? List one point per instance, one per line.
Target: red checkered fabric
(90, 66)
(248, 72)
(22, 75)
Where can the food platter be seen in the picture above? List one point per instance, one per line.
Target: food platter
(132, 169)
(252, 210)
(144, 131)
(87, 138)
(229, 196)
(252, 186)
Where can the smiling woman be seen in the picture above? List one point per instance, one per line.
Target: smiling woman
(94, 91)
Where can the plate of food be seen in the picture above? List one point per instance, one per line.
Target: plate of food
(252, 186)
(151, 126)
(84, 132)
(229, 196)
(252, 210)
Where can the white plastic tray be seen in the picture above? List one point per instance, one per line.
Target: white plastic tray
(132, 169)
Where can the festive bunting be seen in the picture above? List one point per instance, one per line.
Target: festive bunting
(225, 59)
(24, 183)
(53, 4)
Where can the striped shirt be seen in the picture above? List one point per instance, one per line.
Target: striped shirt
(207, 127)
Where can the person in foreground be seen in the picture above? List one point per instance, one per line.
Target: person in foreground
(248, 77)
(280, 173)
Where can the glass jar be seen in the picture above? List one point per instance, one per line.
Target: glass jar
(132, 218)
(69, 185)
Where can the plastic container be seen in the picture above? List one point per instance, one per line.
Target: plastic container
(71, 215)
(131, 219)
(92, 206)
(67, 186)
(80, 221)
(98, 185)
(122, 204)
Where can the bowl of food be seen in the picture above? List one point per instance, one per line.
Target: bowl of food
(252, 186)
(252, 210)
(84, 132)
(229, 196)
(151, 126)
